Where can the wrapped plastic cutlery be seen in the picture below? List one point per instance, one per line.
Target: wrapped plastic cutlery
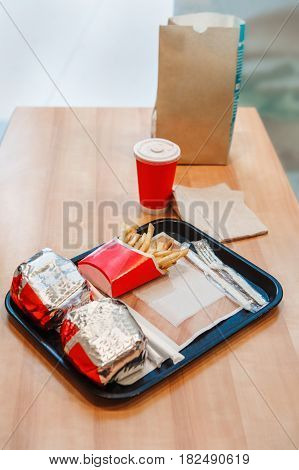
(226, 278)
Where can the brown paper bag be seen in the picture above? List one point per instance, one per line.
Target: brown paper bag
(196, 85)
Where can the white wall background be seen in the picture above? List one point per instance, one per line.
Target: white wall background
(98, 52)
(105, 52)
(243, 8)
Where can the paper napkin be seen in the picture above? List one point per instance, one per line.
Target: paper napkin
(218, 211)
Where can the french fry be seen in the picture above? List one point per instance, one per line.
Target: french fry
(126, 232)
(160, 245)
(123, 233)
(140, 242)
(173, 256)
(166, 253)
(171, 259)
(153, 247)
(159, 254)
(145, 245)
(150, 232)
(131, 232)
(168, 265)
(167, 244)
(134, 239)
(129, 235)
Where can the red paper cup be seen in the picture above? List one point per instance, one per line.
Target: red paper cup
(156, 161)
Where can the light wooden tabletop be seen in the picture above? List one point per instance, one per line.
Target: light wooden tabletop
(240, 396)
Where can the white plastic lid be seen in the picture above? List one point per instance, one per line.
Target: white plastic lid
(157, 151)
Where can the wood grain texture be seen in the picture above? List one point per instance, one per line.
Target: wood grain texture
(240, 395)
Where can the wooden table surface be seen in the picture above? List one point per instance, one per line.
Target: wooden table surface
(241, 395)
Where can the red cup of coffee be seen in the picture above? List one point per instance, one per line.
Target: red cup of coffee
(156, 161)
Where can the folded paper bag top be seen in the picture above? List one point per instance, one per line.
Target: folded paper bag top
(200, 65)
(115, 268)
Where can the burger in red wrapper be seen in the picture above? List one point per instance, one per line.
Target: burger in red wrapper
(103, 340)
(47, 286)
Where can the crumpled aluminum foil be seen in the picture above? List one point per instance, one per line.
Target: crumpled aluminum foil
(103, 340)
(47, 286)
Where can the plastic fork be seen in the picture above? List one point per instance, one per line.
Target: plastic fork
(207, 255)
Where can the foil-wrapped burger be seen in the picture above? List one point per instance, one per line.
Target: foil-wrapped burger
(103, 340)
(47, 286)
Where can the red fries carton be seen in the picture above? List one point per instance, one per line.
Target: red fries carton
(116, 268)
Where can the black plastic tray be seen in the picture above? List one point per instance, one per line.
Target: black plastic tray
(181, 231)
